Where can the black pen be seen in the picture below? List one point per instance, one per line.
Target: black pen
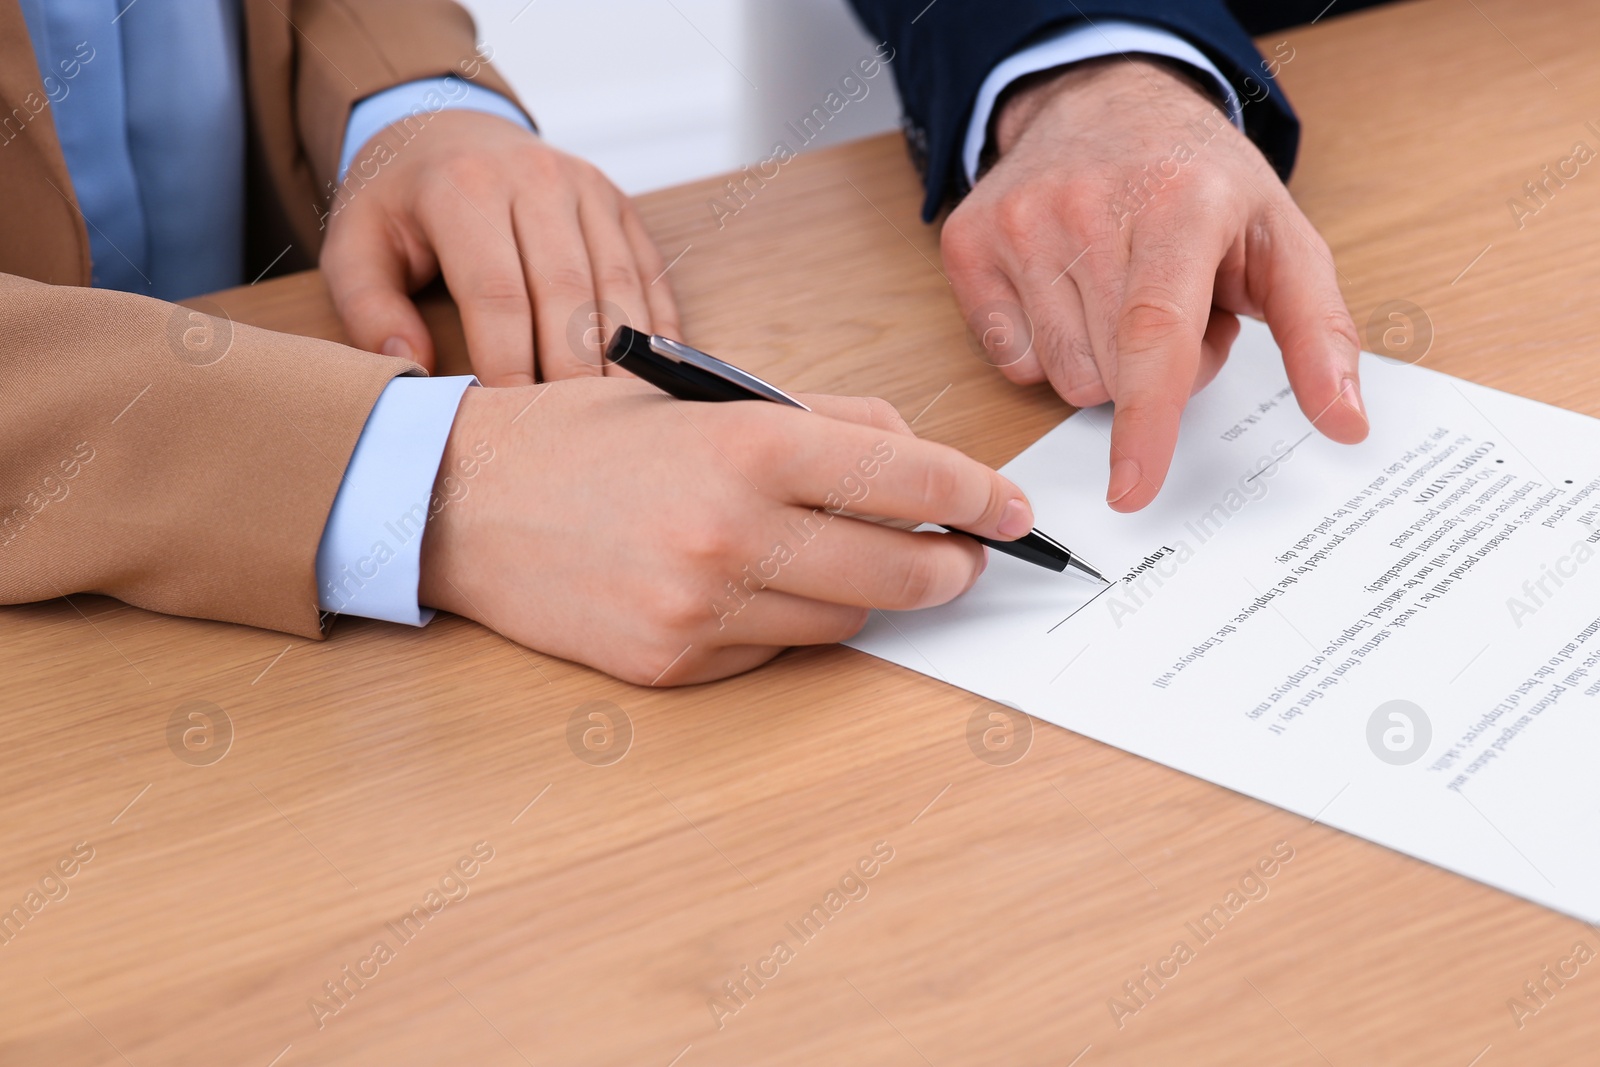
(689, 374)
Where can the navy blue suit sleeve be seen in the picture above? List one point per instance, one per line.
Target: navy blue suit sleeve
(944, 50)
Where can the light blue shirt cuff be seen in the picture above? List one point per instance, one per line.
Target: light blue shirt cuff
(415, 104)
(1091, 41)
(370, 559)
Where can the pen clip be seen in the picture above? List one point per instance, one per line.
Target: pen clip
(679, 352)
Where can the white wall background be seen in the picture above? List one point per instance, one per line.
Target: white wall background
(657, 92)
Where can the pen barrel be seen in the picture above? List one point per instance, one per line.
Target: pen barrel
(629, 349)
(1030, 547)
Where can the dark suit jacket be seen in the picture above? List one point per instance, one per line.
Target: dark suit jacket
(944, 50)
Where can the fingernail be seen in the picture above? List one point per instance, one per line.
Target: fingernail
(399, 348)
(1124, 477)
(1015, 520)
(1350, 393)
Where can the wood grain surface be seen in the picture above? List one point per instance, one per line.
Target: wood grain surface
(1015, 901)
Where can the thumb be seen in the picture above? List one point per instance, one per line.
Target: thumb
(366, 276)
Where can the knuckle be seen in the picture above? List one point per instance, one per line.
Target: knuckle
(337, 245)
(1338, 323)
(658, 663)
(1018, 217)
(1319, 244)
(633, 669)
(1077, 377)
(365, 304)
(996, 498)
(615, 276)
(851, 622)
(677, 608)
(707, 545)
(1025, 371)
(1290, 234)
(498, 292)
(916, 580)
(1084, 207)
(651, 264)
(1210, 189)
(467, 173)
(570, 279)
(1063, 346)
(597, 180)
(940, 485)
(754, 438)
(1104, 287)
(962, 242)
(537, 159)
(1083, 394)
(1145, 416)
(885, 415)
(1151, 311)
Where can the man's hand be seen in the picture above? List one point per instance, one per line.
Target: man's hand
(668, 542)
(530, 240)
(1132, 223)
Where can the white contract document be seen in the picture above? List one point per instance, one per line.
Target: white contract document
(1399, 638)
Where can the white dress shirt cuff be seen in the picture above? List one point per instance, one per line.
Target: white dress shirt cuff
(370, 560)
(1092, 41)
(420, 101)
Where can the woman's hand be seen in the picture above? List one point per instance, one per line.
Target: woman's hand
(533, 243)
(668, 542)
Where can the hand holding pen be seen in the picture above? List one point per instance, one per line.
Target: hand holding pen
(668, 543)
(690, 374)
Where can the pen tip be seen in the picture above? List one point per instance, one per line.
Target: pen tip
(1083, 567)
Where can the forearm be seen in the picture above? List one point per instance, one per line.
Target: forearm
(179, 463)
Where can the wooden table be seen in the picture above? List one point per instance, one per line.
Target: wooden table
(621, 896)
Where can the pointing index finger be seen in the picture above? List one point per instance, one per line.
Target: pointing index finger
(1159, 332)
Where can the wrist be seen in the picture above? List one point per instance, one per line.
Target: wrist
(1027, 97)
(1091, 83)
(453, 512)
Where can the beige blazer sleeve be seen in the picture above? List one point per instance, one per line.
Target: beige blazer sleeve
(177, 462)
(180, 463)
